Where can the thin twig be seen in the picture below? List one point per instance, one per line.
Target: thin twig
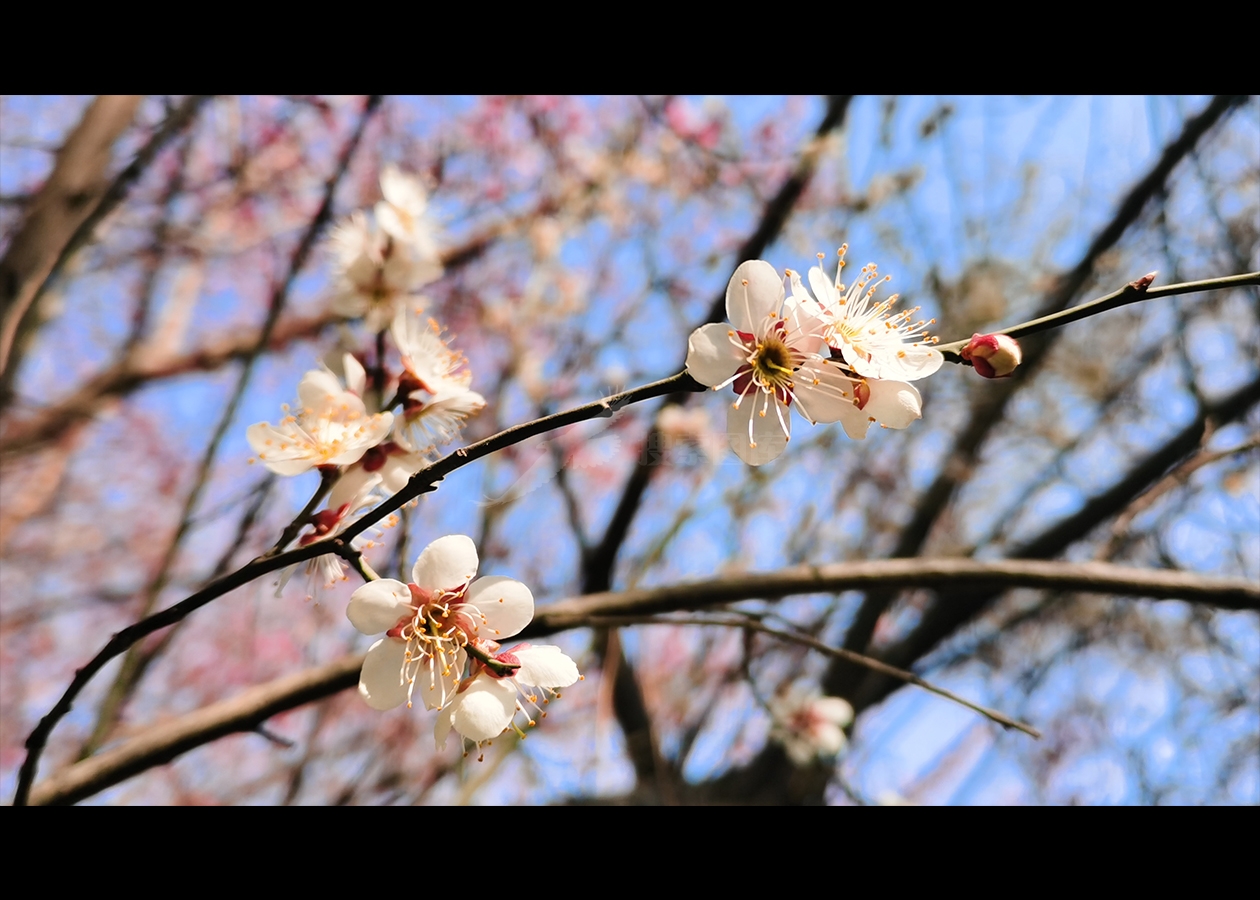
(813, 643)
(1130, 293)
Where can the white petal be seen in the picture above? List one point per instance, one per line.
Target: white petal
(356, 376)
(891, 359)
(398, 469)
(379, 605)
(442, 729)
(711, 357)
(359, 437)
(319, 389)
(380, 682)
(856, 422)
(802, 299)
(545, 666)
(894, 403)
(448, 563)
(485, 709)
(768, 434)
(748, 305)
(402, 190)
(353, 488)
(283, 451)
(825, 291)
(834, 709)
(828, 400)
(507, 605)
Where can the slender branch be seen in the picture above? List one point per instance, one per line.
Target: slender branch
(814, 644)
(1133, 292)
(162, 743)
(428, 479)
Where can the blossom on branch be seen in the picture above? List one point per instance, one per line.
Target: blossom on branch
(873, 340)
(808, 725)
(378, 268)
(429, 623)
(434, 386)
(773, 358)
(331, 428)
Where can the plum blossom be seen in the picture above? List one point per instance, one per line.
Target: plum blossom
(434, 386)
(488, 700)
(770, 356)
(808, 725)
(331, 428)
(379, 268)
(429, 623)
(873, 341)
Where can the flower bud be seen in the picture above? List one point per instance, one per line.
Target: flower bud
(993, 355)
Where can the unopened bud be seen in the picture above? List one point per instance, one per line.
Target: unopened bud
(993, 355)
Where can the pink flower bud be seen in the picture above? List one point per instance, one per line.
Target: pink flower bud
(993, 355)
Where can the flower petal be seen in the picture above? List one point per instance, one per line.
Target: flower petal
(285, 451)
(508, 605)
(823, 393)
(890, 359)
(448, 563)
(485, 709)
(379, 605)
(381, 683)
(747, 305)
(358, 439)
(894, 403)
(834, 709)
(856, 422)
(767, 433)
(711, 357)
(825, 291)
(442, 729)
(544, 666)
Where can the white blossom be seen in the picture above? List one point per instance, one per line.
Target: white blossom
(873, 340)
(429, 622)
(808, 725)
(434, 386)
(330, 427)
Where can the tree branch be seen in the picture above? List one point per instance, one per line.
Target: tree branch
(827, 650)
(162, 743)
(67, 209)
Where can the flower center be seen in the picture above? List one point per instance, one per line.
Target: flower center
(772, 364)
(441, 626)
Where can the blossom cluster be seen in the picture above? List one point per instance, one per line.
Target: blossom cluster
(442, 635)
(837, 355)
(441, 631)
(345, 424)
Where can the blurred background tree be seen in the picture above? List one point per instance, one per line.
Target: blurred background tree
(165, 283)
